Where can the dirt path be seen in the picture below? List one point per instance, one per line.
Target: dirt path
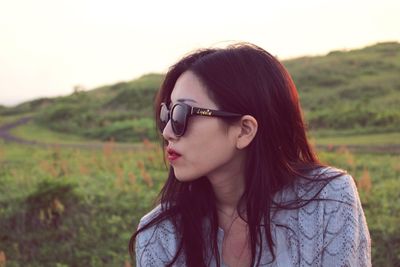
(8, 137)
(384, 149)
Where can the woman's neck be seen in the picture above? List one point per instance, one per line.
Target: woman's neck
(228, 186)
(228, 194)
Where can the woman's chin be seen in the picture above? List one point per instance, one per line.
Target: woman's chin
(184, 179)
(181, 177)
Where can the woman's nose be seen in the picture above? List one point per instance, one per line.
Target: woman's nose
(168, 133)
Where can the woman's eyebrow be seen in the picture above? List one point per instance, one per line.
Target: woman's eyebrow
(186, 99)
(182, 100)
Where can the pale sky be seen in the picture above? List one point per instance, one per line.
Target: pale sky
(49, 46)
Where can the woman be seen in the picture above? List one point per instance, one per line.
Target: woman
(244, 186)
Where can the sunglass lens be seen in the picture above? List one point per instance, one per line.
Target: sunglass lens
(178, 119)
(164, 117)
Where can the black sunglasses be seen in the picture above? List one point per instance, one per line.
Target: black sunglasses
(180, 113)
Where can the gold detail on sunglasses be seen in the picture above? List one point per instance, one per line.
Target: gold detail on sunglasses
(205, 112)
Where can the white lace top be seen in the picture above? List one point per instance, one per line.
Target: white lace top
(322, 233)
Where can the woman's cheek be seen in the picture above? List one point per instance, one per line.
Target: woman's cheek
(194, 167)
(186, 171)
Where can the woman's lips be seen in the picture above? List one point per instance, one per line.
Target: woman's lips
(173, 157)
(172, 154)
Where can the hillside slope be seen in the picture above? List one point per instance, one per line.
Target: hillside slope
(356, 90)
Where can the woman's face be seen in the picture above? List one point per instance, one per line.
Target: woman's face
(208, 147)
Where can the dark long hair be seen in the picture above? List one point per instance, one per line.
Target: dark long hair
(244, 79)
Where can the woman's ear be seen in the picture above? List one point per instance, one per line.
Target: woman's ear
(247, 131)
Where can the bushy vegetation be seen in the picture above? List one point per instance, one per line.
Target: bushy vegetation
(73, 207)
(121, 112)
(129, 131)
(27, 107)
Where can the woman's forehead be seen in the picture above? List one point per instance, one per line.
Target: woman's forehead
(188, 88)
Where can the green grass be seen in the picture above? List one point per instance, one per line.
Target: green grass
(90, 199)
(99, 196)
(359, 139)
(32, 131)
(13, 118)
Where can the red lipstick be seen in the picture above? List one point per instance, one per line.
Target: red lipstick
(172, 154)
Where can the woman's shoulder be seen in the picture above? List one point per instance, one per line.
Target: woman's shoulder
(326, 195)
(163, 227)
(150, 215)
(331, 222)
(345, 236)
(328, 183)
(156, 243)
(321, 182)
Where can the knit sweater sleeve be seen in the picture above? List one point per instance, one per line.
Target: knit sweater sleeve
(155, 246)
(346, 239)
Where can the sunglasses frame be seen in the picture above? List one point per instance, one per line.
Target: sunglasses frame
(191, 111)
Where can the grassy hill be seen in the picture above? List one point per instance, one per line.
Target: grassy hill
(358, 89)
(354, 91)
